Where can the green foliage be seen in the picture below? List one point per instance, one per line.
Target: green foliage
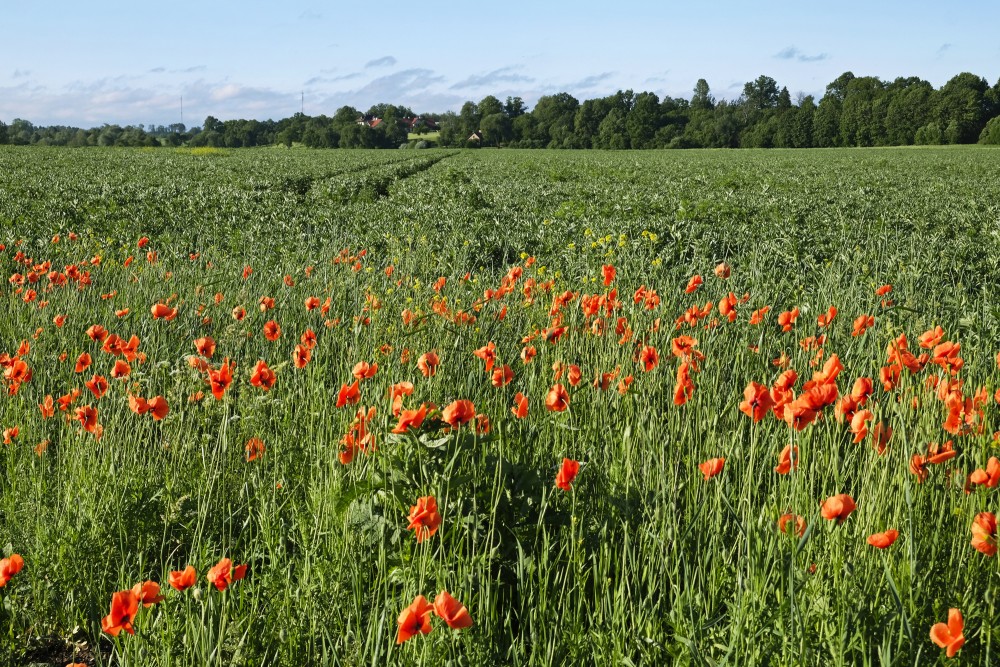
(991, 133)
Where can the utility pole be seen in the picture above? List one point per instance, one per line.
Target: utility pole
(182, 109)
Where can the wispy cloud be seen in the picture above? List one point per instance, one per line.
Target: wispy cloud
(316, 80)
(944, 48)
(658, 78)
(417, 88)
(507, 74)
(158, 70)
(21, 73)
(384, 61)
(589, 82)
(793, 53)
(310, 15)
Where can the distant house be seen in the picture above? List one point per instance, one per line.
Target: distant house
(476, 136)
(414, 123)
(410, 124)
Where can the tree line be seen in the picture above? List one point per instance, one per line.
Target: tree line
(854, 111)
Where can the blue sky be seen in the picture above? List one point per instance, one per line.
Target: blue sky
(130, 63)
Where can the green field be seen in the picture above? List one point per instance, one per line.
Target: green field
(643, 560)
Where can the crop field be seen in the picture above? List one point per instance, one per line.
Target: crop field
(499, 407)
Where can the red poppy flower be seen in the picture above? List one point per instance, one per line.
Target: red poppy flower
(757, 401)
(428, 363)
(158, 407)
(162, 311)
(254, 449)
(502, 376)
(567, 473)
(488, 353)
(931, 338)
(97, 333)
(410, 419)
(984, 533)
(424, 518)
(9, 567)
(649, 358)
(148, 593)
(87, 416)
(272, 330)
(220, 379)
(528, 353)
(205, 346)
(348, 394)
(222, 574)
(452, 611)
(788, 523)
(712, 467)
(458, 412)
(557, 399)
(693, 284)
(949, 637)
(263, 376)
(861, 324)
(415, 619)
(826, 318)
(184, 579)
(47, 407)
(97, 385)
(124, 607)
(608, 273)
(121, 369)
(838, 507)
(520, 409)
(301, 356)
(684, 387)
(722, 270)
(364, 370)
(883, 540)
(787, 460)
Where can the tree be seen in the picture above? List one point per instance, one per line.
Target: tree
(3, 133)
(702, 99)
(761, 93)
(963, 101)
(928, 135)
(862, 118)
(909, 109)
(612, 132)
(469, 117)
(643, 121)
(514, 107)
(212, 124)
(488, 106)
(555, 114)
(344, 116)
(496, 129)
(826, 122)
(450, 133)
(802, 123)
(991, 133)
(587, 121)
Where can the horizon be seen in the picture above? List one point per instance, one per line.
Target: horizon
(264, 66)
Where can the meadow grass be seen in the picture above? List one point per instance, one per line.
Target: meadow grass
(643, 560)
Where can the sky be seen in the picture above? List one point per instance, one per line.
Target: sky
(67, 63)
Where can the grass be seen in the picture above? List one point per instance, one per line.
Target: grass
(642, 561)
(431, 137)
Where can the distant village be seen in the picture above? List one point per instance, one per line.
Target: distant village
(414, 124)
